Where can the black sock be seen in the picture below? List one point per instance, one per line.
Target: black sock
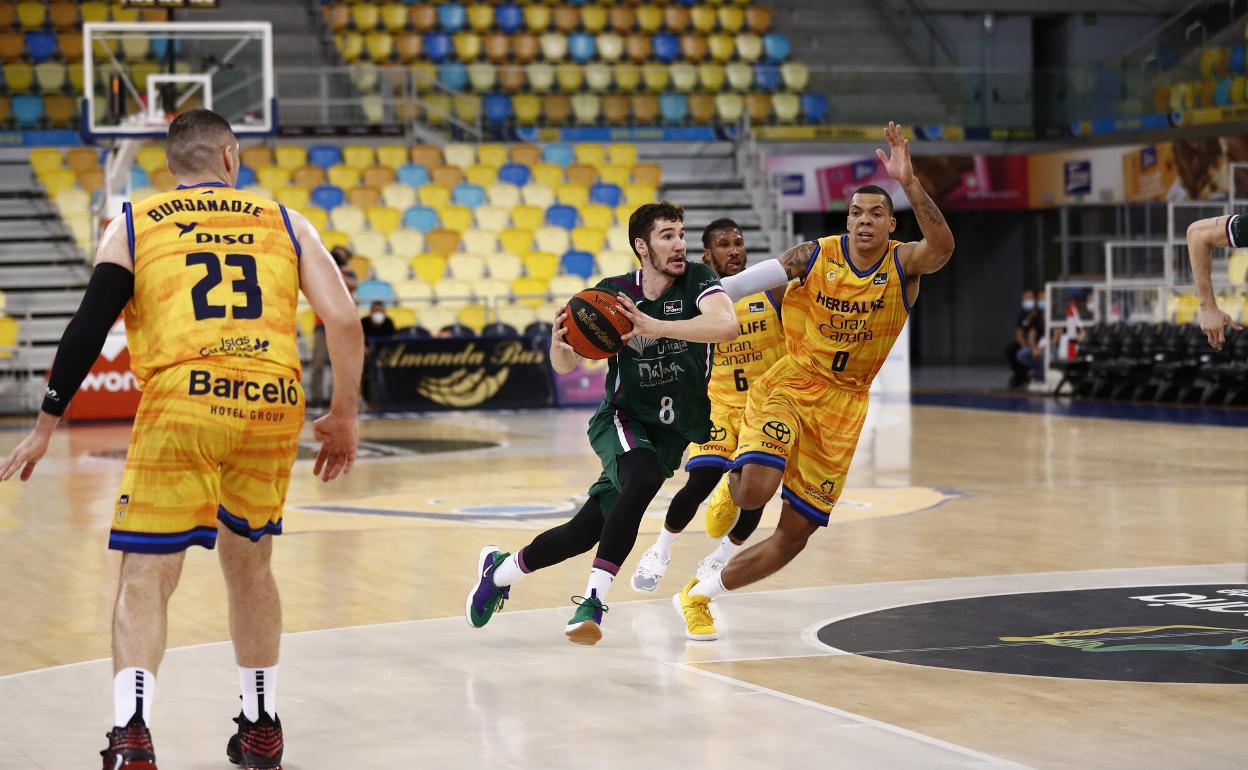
(572, 538)
(640, 476)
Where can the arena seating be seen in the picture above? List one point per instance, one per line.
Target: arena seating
(41, 58)
(435, 229)
(532, 63)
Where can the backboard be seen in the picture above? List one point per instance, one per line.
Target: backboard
(138, 76)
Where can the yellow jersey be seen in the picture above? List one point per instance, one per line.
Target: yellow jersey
(759, 344)
(216, 277)
(840, 324)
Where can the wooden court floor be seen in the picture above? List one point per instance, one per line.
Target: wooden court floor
(975, 603)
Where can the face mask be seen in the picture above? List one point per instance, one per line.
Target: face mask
(1040, 305)
(379, 318)
(1029, 304)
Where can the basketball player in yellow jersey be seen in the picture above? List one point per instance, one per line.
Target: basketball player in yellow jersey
(759, 344)
(208, 277)
(852, 296)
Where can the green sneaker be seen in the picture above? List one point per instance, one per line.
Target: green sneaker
(485, 598)
(585, 627)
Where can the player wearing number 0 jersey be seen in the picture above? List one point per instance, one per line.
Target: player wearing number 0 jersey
(852, 296)
(208, 278)
(736, 364)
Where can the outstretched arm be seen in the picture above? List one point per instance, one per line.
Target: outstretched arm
(771, 273)
(931, 253)
(1202, 236)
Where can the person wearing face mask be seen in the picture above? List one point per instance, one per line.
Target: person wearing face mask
(1021, 352)
(377, 323)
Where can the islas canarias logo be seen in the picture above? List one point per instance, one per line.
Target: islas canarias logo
(1141, 639)
(463, 387)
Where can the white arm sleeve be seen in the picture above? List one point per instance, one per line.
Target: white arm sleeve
(765, 275)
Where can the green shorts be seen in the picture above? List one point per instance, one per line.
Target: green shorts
(612, 433)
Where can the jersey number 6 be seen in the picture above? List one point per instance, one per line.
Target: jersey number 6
(248, 286)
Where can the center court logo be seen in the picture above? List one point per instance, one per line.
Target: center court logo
(1173, 634)
(778, 431)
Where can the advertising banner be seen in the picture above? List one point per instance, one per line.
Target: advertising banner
(474, 373)
(584, 385)
(110, 390)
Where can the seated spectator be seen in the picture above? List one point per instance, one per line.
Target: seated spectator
(1023, 350)
(377, 323)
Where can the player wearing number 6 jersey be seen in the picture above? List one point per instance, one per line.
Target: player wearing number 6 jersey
(852, 296)
(655, 404)
(208, 277)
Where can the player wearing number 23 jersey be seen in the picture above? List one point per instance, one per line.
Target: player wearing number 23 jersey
(211, 331)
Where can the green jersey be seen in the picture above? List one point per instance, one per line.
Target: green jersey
(663, 382)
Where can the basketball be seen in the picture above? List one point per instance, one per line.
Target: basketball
(595, 324)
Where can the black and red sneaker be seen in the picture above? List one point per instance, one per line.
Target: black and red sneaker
(257, 745)
(130, 747)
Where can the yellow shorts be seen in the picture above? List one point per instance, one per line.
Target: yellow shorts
(209, 443)
(717, 453)
(806, 427)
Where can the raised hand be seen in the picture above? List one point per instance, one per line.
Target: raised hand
(897, 162)
(643, 325)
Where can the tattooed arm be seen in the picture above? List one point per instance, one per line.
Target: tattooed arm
(931, 253)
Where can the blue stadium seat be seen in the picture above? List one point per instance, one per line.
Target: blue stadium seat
(453, 74)
(558, 154)
(246, 177)
(438, 46)
(814, 107)
(665, 47)
(1222, 93)
(452, 17)
(1237, 64)
(325, 155)
(776, 47)
(674, 107)
(420, 218)
(514, 173)
(497, 108)
(328, 196)
(577, 263)
(560, 215)
(138, 177)
(413, 175)
(27, 109)
(581, 47)
(160, 47)
(509, 18)
(40, 46)
(606, 193)
(766, 76)
(371, 291)
(467, 194)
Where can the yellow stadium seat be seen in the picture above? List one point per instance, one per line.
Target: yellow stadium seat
(403, 317)
(477, 241)
(466, 267)
(541, 77)
(623, 212)
(488, 290)
(318, 216)
(406, 243)
(541, 265)
(639, 194)
(504, 267)
(334, 238)
(481, 175)
(731, 19)
(255, 156)
(1237, 267)
(340, 175)
(589, 239)
(528, 108)
(582, 174)
(350, 46)
(684, 77)
(610, 46)
(293, 197)
(649, 18)
(729, 107)
(398, 195)
(492, 155)
(648, 173)
(461, 155)
(305, 322)
(537, 17)
(722, 47)
(394, 17)
(51, 75)
(73, 203)
(19, 76)
(384, 219)
(711, 76)
(552, 239)
(795, 75)
(149, 158)
(57, 181)
(702, 16)
(619, 175)
(547, 174)
(43, 159)
(436, 318)
(358, 156)
(570, 77)
(598, 77)
(516, 240)
(434, 196)
(505, 196)
(392, 156)
(787, 107)
(472, 316)
(347, 219)
(363, 197)
(590, 153)
(616, 262)
(467, 46)
(489, 217)
(93, 11)
(529, 291)
(31, 15)
(414, 291)
(517, 317)
(457, 218)
(308, 177)
(554, 46)
(537, 195)
(453, 293)
(740, 76)
(562, 287)
(656, 76)
(527, 217)
(362, 266)
(572, 194)
(749, 46)
(371, 244)
(597, 215)
(365, 16)
(617, 238)
(429, 267)
(379, 46)
(480, 17)
(627, 77)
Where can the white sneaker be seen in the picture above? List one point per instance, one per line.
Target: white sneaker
(708, 568)
(649, 571)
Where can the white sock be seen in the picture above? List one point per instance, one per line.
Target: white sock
(599, 583)
(665, 541)
(509, 571)
(725, 551)
(134, 689)
(259, 686)
(711, 587)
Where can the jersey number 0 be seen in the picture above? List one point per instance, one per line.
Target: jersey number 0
(247, 286)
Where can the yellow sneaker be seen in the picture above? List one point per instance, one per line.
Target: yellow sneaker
(696, 611)
(721, 510)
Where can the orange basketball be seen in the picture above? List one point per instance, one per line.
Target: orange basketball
(595, 323)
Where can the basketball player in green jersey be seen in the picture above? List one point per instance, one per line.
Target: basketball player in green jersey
(655, 405)
(1202, 237)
